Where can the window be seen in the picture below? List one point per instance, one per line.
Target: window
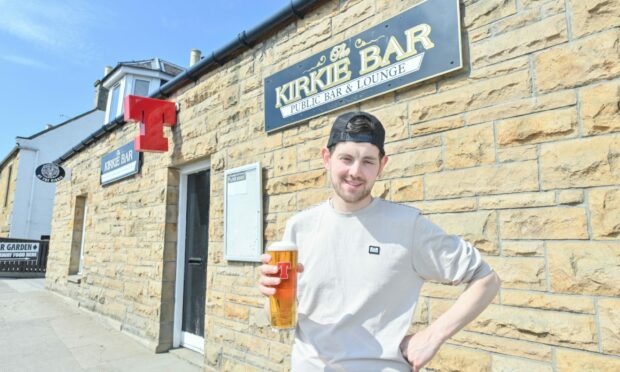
(76, 261)
(114, 102)
(141, 88)
(8, 185)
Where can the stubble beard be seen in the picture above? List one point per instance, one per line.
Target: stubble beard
(350, 197)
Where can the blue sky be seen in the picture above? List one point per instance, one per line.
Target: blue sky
(52, 51)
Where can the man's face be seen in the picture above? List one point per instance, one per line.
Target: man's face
(353, 168)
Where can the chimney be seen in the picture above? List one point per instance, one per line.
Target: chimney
(194, 57)
(101, 93)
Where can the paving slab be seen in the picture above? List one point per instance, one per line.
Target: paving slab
(40, 331)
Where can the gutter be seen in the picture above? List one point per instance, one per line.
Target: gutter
(245, 40)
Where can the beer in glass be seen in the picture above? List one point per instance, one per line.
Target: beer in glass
(283, 304)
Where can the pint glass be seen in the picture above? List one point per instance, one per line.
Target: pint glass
(283, 305)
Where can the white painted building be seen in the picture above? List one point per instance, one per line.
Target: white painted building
(30, 213)
(25, 201)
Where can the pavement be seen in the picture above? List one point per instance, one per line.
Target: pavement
(41, 331)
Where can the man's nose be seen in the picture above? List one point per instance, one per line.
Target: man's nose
(355, 169)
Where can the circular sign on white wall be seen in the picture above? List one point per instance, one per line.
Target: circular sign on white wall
(50, 172)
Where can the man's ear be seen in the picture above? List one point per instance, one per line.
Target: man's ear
(384, 161)
(326, 156)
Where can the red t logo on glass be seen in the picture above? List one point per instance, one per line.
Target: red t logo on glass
(152, 114)
(284, 268)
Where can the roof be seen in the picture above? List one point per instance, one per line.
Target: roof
(153, 64)
(53, 127)
(8, 157)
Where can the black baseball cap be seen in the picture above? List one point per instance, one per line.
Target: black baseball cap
(341, 130)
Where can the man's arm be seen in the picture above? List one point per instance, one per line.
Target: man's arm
(420, 347)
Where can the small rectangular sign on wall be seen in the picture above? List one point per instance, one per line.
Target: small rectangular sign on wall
(120, 163)
(418, 44)
(243, 213)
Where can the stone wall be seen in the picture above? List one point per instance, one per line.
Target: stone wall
(7, 185)
(519, 153)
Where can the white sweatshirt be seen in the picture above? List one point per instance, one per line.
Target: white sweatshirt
(362, 277)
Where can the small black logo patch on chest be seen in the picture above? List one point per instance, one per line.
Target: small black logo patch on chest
(374, 249)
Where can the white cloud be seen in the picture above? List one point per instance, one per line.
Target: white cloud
(26, 61)
(61, 26)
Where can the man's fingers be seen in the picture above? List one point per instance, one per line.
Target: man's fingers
(267, 291)
(300, 268)
(269, 281)
(268, 269)
(265, 258)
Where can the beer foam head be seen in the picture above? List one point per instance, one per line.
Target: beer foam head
(282, 246)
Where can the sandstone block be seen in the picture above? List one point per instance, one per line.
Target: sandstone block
(478, 228)
(413, 144)
(450, 358)
(524, 106)
(480, 33)
(467, 98)
(516, 272)
(571, 360)
(544, 223)
(486, 72)
(238, 312)
(517, 153)
(592, 16)
(580, 163)
(407, 189)
(381, 189)
(520, 20)
(438, 290)
(537, 128)
(584, 268)
(352, 15)
(413, 163)
(469, 146)
(581, 62)
(285, 161)
(549, 327)
(446, 206)
(439, 125)
(281, 203)
(309, 198)
(310, 150)
(482, 13)
(600, 112)
(503, 345)
(609, 310)
(523, 248)
(546, 301)
(524, 200)
(506, 364)
(296, 182)
(570, 197)
(484, 180)
(605, 212)
(394, 120)
(540, 35)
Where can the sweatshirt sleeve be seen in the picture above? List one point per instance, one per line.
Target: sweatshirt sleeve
(445, 258)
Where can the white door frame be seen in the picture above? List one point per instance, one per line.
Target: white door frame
(181, 338)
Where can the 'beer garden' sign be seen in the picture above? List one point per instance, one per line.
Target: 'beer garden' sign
(418, 44)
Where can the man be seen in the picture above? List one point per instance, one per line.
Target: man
(364, 261)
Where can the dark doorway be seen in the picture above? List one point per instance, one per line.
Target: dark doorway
(196, 249)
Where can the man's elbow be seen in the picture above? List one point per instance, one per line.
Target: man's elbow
(494, 282)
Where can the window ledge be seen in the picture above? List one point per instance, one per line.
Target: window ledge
(77, 278)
